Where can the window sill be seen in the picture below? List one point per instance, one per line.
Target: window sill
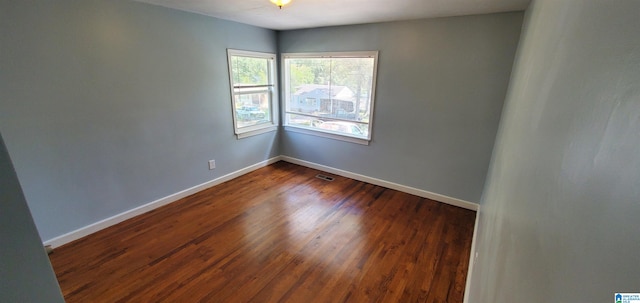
(254, 132)
(318, 133)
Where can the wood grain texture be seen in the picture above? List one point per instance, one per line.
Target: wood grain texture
(277, 234)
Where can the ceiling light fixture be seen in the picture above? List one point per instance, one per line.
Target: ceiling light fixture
(280, 3)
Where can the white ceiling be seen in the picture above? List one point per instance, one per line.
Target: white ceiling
(318, 13)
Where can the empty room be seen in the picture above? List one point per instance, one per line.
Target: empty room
(320, 151)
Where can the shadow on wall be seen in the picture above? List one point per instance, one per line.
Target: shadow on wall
(27, 275)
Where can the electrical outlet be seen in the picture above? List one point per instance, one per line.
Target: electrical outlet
(212, 164)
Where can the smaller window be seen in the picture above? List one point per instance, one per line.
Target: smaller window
(254, 92)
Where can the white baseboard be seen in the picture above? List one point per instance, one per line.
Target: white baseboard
(472, 258)
(387, 184)
(102, 224)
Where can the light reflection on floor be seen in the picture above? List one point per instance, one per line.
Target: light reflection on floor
(313, 231)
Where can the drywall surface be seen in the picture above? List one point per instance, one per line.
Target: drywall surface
(560, 220)
(108, 105)
(25, 272)
(440, 89)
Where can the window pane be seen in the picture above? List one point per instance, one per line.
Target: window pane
(330, 93)
(304, 121)
(305, 71)
(353, 78)
(250, 71)
(343, 127)
(252, 108)
(353, 129)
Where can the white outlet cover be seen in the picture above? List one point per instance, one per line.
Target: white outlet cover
(212, 164)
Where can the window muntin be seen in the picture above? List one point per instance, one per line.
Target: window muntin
(254, 92)
(330, 93)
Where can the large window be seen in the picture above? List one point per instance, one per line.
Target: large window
(330, 94)
(254, 92)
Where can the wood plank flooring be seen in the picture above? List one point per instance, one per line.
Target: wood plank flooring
(277, 234)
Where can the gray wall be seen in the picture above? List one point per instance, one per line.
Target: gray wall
(560, 220)
(25, 272)
(441, 87)
(108, 105)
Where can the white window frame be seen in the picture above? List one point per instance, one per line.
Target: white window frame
(271, 89)
(317, 131)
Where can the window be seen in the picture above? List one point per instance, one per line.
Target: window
(330, 94)
(253, 91)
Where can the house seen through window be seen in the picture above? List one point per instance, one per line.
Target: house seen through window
(330, 94)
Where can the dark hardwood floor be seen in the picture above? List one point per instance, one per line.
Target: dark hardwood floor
(277, 234)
